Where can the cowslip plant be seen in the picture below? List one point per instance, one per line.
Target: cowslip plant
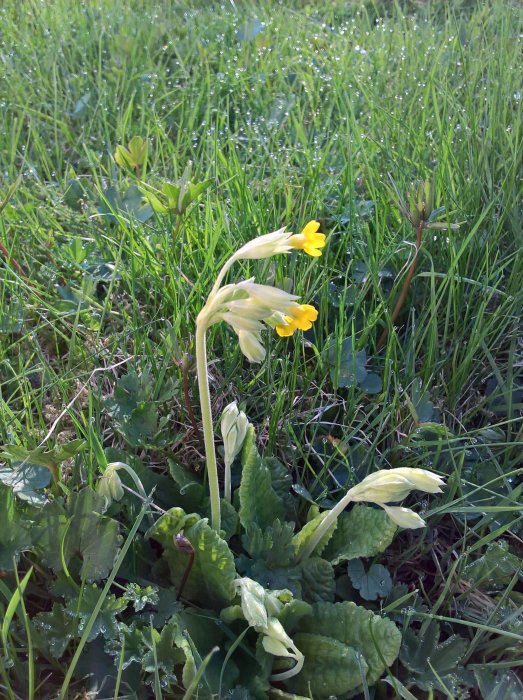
(248, 307)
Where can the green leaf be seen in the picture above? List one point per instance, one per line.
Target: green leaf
(163, 654)
(194, 191)
(82, 606)
(372, 583)
(331, 667)
(78, 529)
(15, 534)
(375, 638)
(213, 572)
(259, 502)
(347, 365)
(142, 427)
(189, 484)
(317, 580)
(26, 481)
(281, 482)
(131, 640)
(94, 537)
(39, 456)
(495, 568)
(422, 650)
(133, 204)
(274, 545)
(56, 628)
(503, 685)
(140, 596)
(73, 197)
(372, 383)
(362, 532)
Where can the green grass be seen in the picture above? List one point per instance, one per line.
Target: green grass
(303, 121)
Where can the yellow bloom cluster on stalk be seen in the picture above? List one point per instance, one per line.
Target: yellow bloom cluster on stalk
(248, 308)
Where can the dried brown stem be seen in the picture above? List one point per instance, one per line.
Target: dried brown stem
(406, 285)
(188, 402)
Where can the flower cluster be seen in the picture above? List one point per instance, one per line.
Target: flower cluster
(248, 307)
(392, 485)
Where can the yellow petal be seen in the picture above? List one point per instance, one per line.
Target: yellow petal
(311, 227)
(286, 330)
(313, 252)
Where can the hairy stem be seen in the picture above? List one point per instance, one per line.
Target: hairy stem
(330, 517)
(207, 424)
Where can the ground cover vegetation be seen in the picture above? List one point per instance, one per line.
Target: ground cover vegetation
(142, 144)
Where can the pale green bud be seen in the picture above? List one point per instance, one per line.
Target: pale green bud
(109, 485)
(404, 517)
(234, 426)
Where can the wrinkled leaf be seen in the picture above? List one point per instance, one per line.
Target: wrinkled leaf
(259, 502)
(362, 532)
(317, 581)
(374, 641)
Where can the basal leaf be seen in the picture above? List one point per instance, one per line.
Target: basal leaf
(317, 580)
(15, 534)
(78, 529)
(213, 572)
(495, 568)
(27, 481)
(281, 481)
(331, 667)
(130, 640)
(273, 545)
(362, 532)
(376, 639)
(259, 502)
(92, 536)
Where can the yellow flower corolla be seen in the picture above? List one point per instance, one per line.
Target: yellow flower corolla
(309, 240)
(298, 317)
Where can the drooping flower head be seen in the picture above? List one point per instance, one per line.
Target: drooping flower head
(392, 485)
(247, 306)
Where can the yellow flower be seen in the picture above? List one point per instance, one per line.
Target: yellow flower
(297, 317)
(309, 240)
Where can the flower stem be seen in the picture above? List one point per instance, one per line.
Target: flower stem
(406, 285)
(208, 432)
(225, 269)
(330, 517)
